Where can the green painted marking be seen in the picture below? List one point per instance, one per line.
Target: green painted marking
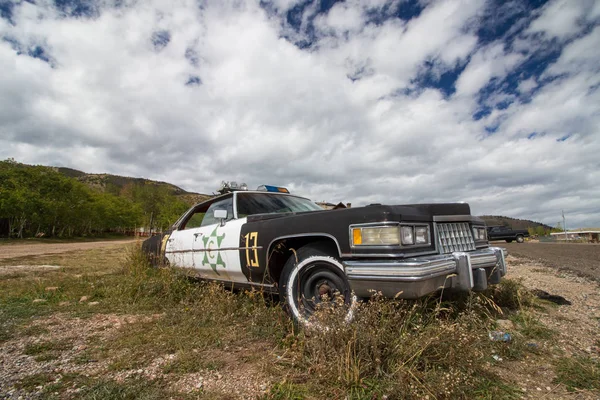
(218, 239)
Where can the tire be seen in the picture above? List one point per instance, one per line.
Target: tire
(520, 239)
(509, 240)
(309, 275)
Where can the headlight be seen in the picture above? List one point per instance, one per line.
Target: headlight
(376, 236)
(479, 233)
(421, 234)
(408, 236)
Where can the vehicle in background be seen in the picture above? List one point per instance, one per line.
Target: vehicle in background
(506, 233)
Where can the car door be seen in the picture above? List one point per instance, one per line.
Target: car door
(179, 249)
(494, 233)
(217, 244)
(504, 233)
(208, 244)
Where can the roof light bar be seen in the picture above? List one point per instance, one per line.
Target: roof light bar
(270, 188)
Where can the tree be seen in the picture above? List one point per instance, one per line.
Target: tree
(38, 199)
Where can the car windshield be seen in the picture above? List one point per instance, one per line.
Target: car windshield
(269, 203)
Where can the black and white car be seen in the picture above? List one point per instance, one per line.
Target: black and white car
(286, 244)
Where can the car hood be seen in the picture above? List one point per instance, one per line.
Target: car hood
(423, 210)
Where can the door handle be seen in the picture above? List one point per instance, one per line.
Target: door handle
(197, 234)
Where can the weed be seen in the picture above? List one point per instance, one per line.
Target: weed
(134, 389)
(490, 387)
(511, 294)
(31, 382)
(578, 373)
(401, 349)
(6, 333)
(192, 361)
(286, 391)
(530, 326)
(34, 330)
(46, 351)
(409, 348)
(33, 349)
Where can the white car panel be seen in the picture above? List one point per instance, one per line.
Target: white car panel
(213, 250)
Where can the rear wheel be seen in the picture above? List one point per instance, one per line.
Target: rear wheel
(312, 278)
(520, 239)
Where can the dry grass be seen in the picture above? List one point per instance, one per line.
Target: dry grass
(399, 349)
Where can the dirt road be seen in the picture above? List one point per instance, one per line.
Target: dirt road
(581, 258)
(37, 249)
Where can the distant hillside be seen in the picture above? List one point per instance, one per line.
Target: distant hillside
(116, 184)
(63, 202)
(514, 223)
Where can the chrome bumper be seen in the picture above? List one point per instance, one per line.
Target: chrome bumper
(416, 277)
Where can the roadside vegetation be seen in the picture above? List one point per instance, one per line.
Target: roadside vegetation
(109, 326)
(38, 201)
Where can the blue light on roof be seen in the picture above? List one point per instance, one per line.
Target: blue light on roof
(270, 188)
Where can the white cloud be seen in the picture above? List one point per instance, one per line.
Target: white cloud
(342, 18)
(486, 64)
(580, 55)
(527, 85)
(564, 18)
(267, 111)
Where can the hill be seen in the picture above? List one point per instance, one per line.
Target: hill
(514, 223)
(118, 185)
(38, 200)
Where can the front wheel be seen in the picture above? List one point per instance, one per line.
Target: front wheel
(520, 239)
(312, 278)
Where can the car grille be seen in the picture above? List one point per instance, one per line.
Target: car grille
(455, 236)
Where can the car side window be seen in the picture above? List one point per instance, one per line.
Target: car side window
(225, 204)
(195, 221)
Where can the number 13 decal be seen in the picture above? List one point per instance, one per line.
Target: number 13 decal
(251, 239)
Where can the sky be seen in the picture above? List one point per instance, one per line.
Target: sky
(494, 103)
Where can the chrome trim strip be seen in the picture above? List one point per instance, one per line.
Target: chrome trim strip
(407, 273)
(390, 255)
(327, 235)
(485, 260)
(221, 249)
(233, 284)
(454, 218)
(500, 251)
(235, 213)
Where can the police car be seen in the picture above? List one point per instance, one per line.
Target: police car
(286, 244)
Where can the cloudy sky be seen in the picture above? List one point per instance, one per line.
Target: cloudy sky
(496, 103)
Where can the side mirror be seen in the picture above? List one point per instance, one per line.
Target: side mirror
(220, 215)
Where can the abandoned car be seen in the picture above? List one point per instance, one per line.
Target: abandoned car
(288, 245)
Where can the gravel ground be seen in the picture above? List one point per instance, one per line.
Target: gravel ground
(543, 268)
(10, 250)
(576, 328)
(581, 258)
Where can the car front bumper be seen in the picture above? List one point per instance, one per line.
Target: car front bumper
(415, 277)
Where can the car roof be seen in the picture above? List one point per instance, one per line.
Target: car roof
(251, 192)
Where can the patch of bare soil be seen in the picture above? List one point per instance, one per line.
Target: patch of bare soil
(581, 258)
(71, 334)
(239, 376)
(40, 249)
(576, 326)
(9, 269)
